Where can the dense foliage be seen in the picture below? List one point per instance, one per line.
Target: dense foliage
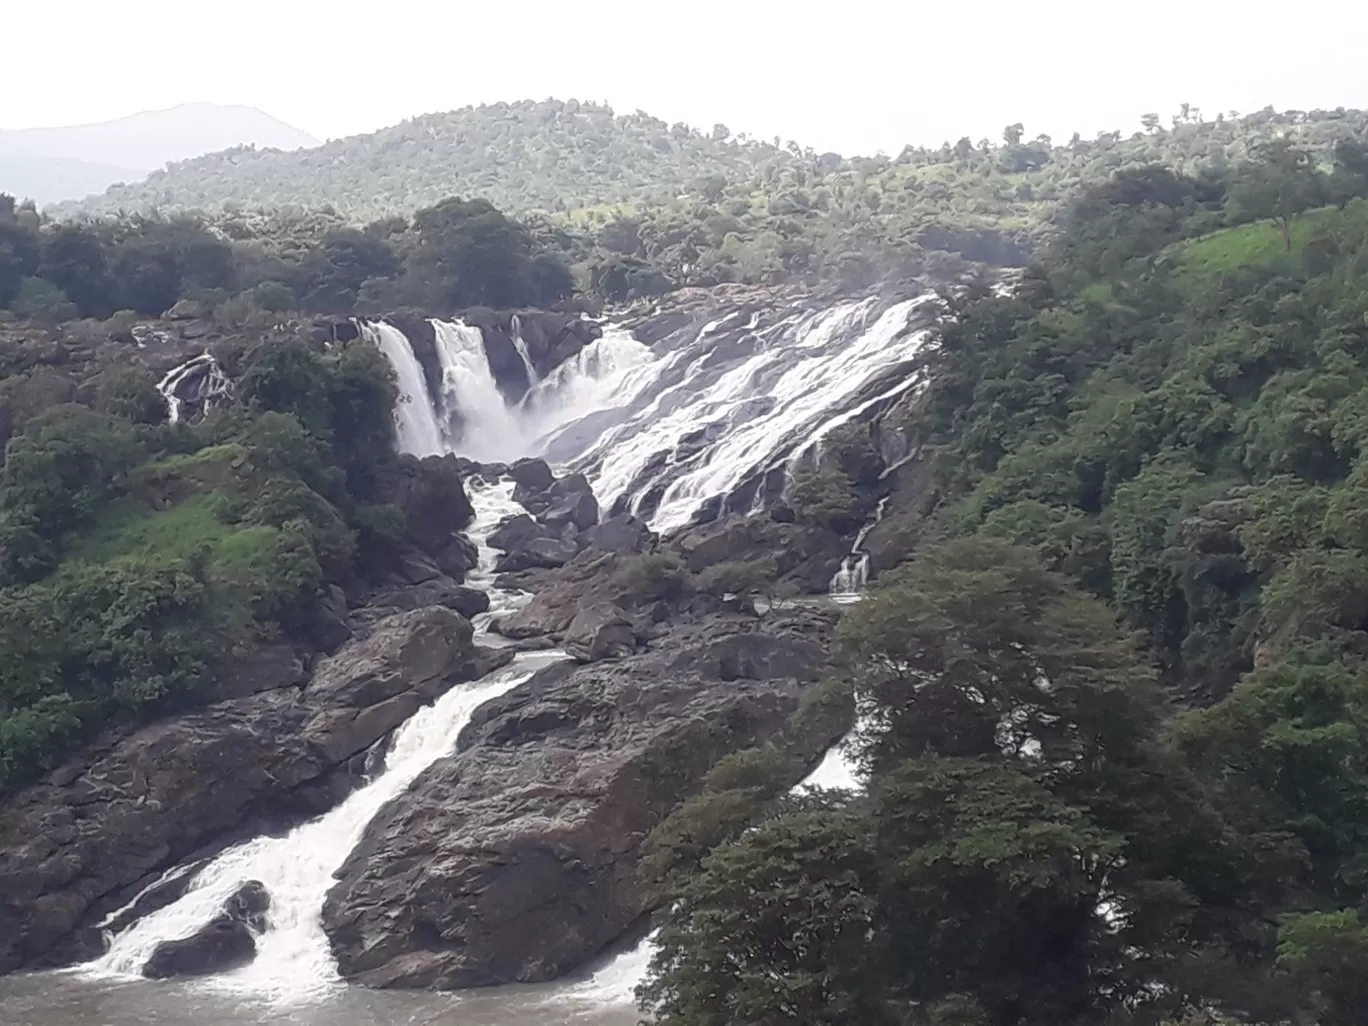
(1113, 706)
(136, 556)
(454, 255)
(641, 206)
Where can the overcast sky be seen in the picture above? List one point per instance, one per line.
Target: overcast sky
(853, 77)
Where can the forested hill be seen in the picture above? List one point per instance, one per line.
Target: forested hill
(643, 206)
(546, 156)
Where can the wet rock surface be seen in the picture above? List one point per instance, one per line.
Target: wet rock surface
(513, 859)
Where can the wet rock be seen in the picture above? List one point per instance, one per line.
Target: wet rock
(600, 631)
(249, 904)
(222, 944)
(571, 502)
(433, 500)
(515, 858)
(532, 476)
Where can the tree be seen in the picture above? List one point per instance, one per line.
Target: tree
(1012, 134)
(1283, 184)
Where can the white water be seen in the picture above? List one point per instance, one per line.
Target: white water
(293, 959)
(788, 387)
(521, 347)
(489, 430)
(417, 425)
(216, 384)
(853, 577)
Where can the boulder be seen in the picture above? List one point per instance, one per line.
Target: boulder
(514, 859)
(222, 944)
(805, 555)
(532, 475)
(145, 800)
(457, 558)
(622, 533)
(433, 500)
(600, 631)
(545, 552)
(514, 532)
(571, 502)
(249, 904)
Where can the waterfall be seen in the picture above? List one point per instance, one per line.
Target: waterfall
(293, 957)
(488, 430)
(853, 576)
(415, 420)
(521, 347)
(202, 377)
(754, 395)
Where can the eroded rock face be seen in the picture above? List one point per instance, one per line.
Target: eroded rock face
(806, 555)
(82, 843)
(514, 859)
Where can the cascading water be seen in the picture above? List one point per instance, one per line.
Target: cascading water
(414, 416)
(202, 378)
(521, 346)
(293, 958)
(785, 388)
(853, 576)
(489, 430)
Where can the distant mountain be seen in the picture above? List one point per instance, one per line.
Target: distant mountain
(52, 164)
(548, 155)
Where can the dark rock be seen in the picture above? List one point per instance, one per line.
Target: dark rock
(249, 904)
(151, 797)
(515, 858)
(469, 602)
(622, 533)
(221, 944)
(807, 556)
(187, 310)
(430, 494)
(545, 552)
(590, 578)
(515, 532)
(600, 631)
(533, 475)
(457, 558)
(571, 502)
(708, 512)
(255, 668)
(415, 567)
(328, 626)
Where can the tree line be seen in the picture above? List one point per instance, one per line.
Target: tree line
(454, 255)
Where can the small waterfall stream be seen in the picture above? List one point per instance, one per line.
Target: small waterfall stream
(853, 576)
(415, 420)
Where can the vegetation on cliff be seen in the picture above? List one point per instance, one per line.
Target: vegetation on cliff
(1112, 725)
(136, 556)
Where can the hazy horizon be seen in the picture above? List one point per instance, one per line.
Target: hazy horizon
(876, 80)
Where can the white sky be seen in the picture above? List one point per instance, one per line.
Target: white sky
(853, 77)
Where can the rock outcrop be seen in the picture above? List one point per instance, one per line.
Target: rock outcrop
(600, 631)
(85, 841)
(226, 942)
(806, 556)
(514, 858)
